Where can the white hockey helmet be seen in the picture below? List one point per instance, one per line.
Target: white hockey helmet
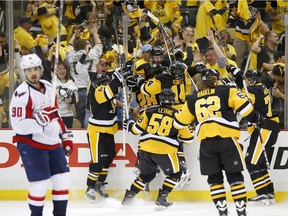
(30, 61)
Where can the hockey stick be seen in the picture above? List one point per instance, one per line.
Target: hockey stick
(193, 83)
(163, 32)
(247, 63)
(171, 43)
(263, 147)
(125, 105)
(54, 77)
(125, 100)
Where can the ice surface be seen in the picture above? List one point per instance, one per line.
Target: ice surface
(113, 207)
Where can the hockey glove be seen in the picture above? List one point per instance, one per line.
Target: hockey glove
(178, 52)
(129, 66)
(234, 70)
(131, 82)
(198, 68)
(126, 74)
(45, 116)
(67, 142)
(229, 82)
(128, 124)
(117, 75)
(139, 81)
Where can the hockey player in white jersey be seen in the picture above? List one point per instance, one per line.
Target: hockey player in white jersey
(38, 132)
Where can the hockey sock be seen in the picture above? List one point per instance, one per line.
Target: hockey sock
(60, 207)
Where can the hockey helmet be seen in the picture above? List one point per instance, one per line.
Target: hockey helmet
(253, 75)
(30, 61)
(166, 97)
(177, 69)
(153, 69)
(207, 76)
(101, 79)
(157, 51)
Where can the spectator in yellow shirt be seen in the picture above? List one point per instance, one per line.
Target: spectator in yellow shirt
(23, 36)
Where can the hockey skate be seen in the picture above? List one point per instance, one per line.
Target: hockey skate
(162, 202)
(261, 199)
(90, 194)
(241, 208)
(146, 189)
(128, 198)
(99, 188)
(271, 198)
(222, 207)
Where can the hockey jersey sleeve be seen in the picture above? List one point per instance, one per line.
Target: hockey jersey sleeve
(153, 87)
(104, 93)
(186, 135)
(183, 117)
(141, 125)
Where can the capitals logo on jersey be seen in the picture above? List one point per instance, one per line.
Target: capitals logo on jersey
(20, 94)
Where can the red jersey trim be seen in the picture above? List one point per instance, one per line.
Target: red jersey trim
(34, 143)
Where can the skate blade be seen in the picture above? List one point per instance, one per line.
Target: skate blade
(260, 203)
(160, 208)
(90, 200)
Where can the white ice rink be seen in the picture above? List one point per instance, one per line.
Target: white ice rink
(113, 207)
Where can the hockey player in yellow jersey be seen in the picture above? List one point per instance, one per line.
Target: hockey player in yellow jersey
(146, 69)
(255, 158)
(159, 143)
(174, 80)
(213, 111)
(102, 126)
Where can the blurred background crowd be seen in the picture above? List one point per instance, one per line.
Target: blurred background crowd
(249, 33)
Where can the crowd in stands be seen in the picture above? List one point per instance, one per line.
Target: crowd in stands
(249, 34)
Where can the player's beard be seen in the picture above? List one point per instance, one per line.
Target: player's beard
(34, 80)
